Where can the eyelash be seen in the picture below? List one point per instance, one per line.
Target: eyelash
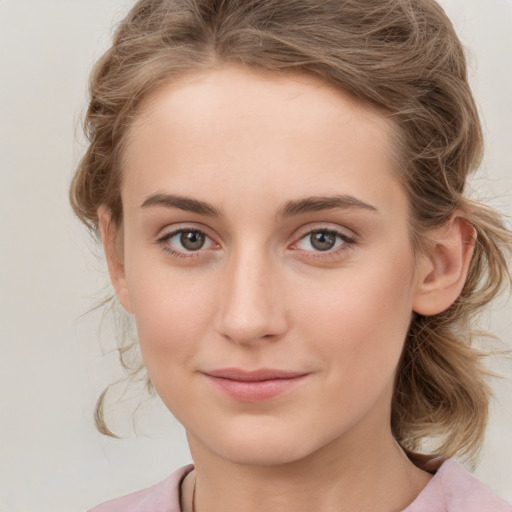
(347, 242)
(163, 241)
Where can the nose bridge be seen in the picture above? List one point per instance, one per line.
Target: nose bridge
(249, 304)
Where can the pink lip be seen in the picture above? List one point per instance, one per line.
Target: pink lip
(254, 385)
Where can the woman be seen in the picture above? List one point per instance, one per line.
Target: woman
(279, 187)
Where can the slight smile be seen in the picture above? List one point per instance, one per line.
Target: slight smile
(254, 385)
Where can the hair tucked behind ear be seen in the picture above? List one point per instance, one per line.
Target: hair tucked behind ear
(441, 387)
(403, 57)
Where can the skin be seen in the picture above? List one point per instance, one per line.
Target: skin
(259, 294)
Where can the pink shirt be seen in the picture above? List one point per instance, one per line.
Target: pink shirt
(452, 489)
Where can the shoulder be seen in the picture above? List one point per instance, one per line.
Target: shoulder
(161, 497)
(453, 489)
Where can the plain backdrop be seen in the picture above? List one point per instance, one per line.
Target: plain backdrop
(52, 367)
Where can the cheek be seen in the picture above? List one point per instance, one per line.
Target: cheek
(172, 315)
(360, 320)
(171, 323)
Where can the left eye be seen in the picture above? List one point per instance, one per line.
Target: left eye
(188, 240)
(322, 240)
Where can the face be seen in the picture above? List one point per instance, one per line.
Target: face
(267, 261)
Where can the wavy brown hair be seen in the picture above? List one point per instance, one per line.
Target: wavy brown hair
(401, 56)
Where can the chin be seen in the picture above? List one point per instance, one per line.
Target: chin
(267, 454)
(261, 446)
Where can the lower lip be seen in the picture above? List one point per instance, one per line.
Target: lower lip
(254, 391)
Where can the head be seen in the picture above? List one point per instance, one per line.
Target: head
(396, 66)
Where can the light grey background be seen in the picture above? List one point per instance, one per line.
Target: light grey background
(51, 367)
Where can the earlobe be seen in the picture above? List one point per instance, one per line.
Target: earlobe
(114, 257)
(443, 271)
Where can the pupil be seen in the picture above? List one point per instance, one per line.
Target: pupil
(323, 241)
(192, 240)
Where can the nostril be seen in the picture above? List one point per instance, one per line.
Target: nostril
(250, 305)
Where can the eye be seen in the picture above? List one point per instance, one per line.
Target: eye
(323, 240)
(184, 241)
(191, 240)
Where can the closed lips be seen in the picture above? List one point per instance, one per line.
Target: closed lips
(253, 375)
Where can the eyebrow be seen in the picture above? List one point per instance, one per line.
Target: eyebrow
(319, 203)
(182, 203)
(289, 209)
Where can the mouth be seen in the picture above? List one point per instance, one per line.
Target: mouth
(254, 385)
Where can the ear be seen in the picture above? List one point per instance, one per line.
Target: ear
(114, 256)
(442, 271)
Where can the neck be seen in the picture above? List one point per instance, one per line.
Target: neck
(342, 476)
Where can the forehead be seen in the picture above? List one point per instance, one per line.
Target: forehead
(251, 94)
(240, 129)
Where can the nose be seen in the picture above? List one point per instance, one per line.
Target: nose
(251, 307)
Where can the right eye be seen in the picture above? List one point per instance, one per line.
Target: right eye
(185, 242)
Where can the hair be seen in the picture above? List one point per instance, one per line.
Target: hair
(401, 56)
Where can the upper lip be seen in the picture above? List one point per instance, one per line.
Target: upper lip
(253, 375)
